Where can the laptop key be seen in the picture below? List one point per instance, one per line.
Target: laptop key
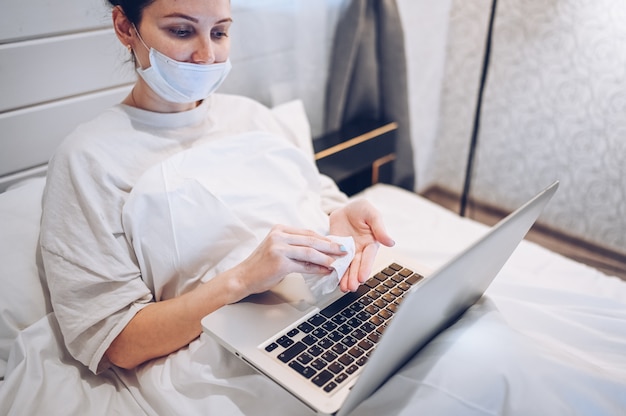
(284, 341)
(376, 320)
(359, 333)
(339, 348)
(291, 352)
(304, 358)
(374, 337)
(306, 372)
(352, 369)
(345, 329)
(318, 364)
(336, 367)
(385, 314)
(363, 315)
(346, 359)
(329, 326)
(343, 301)
(354, 322)
(319, 333)
(368, 327)
(348, 341)
(341, 378)
(395, 266)
(315, 350)
(309, 340)
(330, 387)
(322, 378)
(389, 297)
(365, 345)
(329, 356)
(325, 343)
(271, 347)
(397, 278)
(305, 327)
(365, 300)
(372, 282)
(405, 272)
(348, 313)
(381, 277)
(356, 352)
(335, 336)
(414, 278)
(316, 320)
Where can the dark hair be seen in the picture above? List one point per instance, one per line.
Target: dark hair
(132, 8)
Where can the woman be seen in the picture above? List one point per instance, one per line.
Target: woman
(124, 296)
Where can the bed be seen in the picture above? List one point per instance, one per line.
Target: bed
(569, 316)
(548, 337)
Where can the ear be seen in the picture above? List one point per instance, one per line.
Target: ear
(123, 27)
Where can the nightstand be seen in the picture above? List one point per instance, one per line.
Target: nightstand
(359, 155)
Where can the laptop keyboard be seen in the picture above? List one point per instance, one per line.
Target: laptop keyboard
(332, 346)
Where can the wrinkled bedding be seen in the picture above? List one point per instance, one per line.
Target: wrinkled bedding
(549, 337)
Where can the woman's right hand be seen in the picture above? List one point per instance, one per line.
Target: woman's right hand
(286, 250)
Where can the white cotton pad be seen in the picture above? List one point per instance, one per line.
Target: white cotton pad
(321, 286)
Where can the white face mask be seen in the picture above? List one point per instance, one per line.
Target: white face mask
(181, 82)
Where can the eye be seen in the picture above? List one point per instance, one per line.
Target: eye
(219, 32)
(181, 31)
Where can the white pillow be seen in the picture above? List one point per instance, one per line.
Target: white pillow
(23, 299)
(292, 116)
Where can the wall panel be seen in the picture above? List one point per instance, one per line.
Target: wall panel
(29, 136)
(43, 70)
(28, 19)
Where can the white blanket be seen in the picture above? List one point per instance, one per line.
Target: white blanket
(204, 210)
(549, 338)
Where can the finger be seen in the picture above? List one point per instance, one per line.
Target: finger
(310, 268)
(367, 261)
(309, 255)
(379, 230)
(308, 238)
(344, 283)
(350, 280)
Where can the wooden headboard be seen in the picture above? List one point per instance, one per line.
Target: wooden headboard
(60, 66)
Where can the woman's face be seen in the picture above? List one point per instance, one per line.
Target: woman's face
(194, 31)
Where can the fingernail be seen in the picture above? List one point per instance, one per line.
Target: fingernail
(343, 248)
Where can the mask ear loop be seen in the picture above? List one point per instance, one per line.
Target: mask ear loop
(144, 44)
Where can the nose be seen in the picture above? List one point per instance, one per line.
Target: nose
(203, 53)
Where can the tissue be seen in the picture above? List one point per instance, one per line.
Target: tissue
(320, 286)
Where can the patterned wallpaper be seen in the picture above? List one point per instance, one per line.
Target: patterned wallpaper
(554, 108)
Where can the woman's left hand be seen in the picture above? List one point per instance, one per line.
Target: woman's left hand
(364, 223)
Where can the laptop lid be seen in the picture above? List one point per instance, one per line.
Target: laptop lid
(444, 296)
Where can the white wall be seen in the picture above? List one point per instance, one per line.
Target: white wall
(554, 108)
(426, 25)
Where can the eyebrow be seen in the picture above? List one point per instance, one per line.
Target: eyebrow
(193, 19)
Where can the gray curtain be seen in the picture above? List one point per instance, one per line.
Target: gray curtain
(368, 79)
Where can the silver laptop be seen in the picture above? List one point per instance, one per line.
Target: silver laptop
(334, 354)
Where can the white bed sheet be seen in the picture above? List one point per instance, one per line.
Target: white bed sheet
(549, 338)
